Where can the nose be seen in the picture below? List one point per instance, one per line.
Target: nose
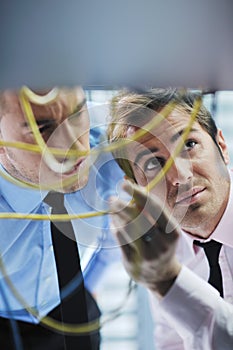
(181, 172)
(66, 138)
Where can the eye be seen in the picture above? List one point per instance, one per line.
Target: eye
(44, 128)
(189, 144)
(153, 164)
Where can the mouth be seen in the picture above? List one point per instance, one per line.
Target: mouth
(190, 197)
(76, 167)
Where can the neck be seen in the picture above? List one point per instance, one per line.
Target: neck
(205, 228)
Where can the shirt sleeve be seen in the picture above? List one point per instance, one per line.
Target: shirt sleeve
(100, 259)
(195, 310)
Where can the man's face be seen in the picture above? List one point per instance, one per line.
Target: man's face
(63, 124)
(196, 187)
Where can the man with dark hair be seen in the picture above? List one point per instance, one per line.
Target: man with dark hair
(49, 270)
(177, 239)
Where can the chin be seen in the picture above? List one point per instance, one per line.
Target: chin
(64, 184)
(76, 186)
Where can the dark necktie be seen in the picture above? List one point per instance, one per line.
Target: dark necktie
(72, 309)
(212, 250)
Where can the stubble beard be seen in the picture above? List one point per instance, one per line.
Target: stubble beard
(17, 170)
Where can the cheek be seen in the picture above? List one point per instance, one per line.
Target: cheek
(209, 165)
(139, 176)
(161, 190)
(84, 140)
(81, 127)
(24, 157)
(10, 129)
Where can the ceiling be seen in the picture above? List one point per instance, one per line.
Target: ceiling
(109, 44)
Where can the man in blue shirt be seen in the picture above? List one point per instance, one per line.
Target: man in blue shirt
(26, 246)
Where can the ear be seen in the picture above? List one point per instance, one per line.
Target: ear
(223, 146)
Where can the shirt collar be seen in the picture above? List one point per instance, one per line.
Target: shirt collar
(20, 198)
(223, 232)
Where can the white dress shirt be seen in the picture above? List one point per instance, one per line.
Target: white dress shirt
(192, 315)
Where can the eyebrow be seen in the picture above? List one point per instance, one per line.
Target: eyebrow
(51, 121)
(79, 106)
(176, 136)
(173, 139)
(144, 153)
(26, 124)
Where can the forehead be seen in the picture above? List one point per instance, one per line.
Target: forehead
(176, 122)
(168, 130)
(65, 103)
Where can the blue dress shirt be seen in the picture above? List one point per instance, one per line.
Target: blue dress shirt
(26, 247)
